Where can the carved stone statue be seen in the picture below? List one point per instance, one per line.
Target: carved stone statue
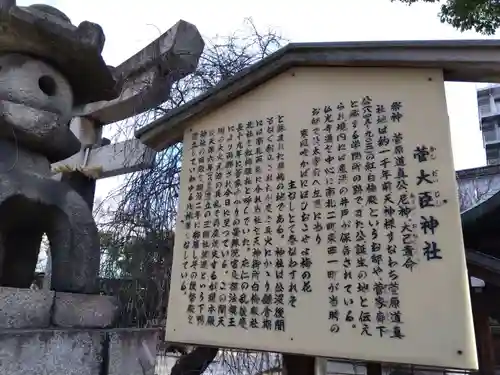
(50, 71)
(56, 94)
(47, 67)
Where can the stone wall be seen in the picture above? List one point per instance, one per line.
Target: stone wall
(51, 333)
(77, 351)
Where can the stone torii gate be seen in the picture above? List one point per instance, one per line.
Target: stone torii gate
(145, 80)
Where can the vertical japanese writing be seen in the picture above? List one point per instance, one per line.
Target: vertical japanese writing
(428, 199)
(255, 129)
(283, 219)
(366, 216)
(364, 207)
(330, 205)
(345, 214)
(257, 236)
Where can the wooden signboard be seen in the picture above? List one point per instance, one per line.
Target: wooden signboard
(319, 215)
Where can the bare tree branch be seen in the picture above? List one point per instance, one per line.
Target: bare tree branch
(137, 235)
(196, 362)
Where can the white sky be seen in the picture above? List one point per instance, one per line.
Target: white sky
(130, 25)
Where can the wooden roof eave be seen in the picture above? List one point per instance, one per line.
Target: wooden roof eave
(472, 216)
(479, 264)
(483, 266)
(460, 60)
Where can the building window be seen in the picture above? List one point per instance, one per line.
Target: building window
(490, 135)
(490, 131)
(488, 125)
(492, 153)
(484, 105)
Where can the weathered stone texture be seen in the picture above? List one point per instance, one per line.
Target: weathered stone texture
(35, 107)
(78, 352)
(49, 352)
(31, 206)
(25, 308)
(45, 62)
(145, 79)
(46, 33)
(84, 310)
(132, 352)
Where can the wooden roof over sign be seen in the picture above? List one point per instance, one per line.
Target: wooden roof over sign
(480, 228)
(460, 60)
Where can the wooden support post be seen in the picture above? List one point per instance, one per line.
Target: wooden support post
(373, 368)
(298, 364)
(88, 134)
(484, 338)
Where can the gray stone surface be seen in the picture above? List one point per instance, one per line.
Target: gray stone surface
(36, 105)
(25, 308)
(145, 79)
(115, 159)
(51, 352)
(84, 310)
(46, 33)
(31, 203)
(38, 109)
(132, 352)
(45, 62)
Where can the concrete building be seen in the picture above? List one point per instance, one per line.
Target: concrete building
(488, 102)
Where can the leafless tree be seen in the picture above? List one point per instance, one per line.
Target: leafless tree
(245, 363)
(232, 363)
(138, 232)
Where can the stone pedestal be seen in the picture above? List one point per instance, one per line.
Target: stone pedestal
(45, 332)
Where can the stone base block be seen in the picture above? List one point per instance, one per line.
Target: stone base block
(84, 310)
(49, 352)
(132, 352)
(25, 308)
(78, 351)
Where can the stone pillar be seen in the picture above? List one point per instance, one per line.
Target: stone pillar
(89, 134)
